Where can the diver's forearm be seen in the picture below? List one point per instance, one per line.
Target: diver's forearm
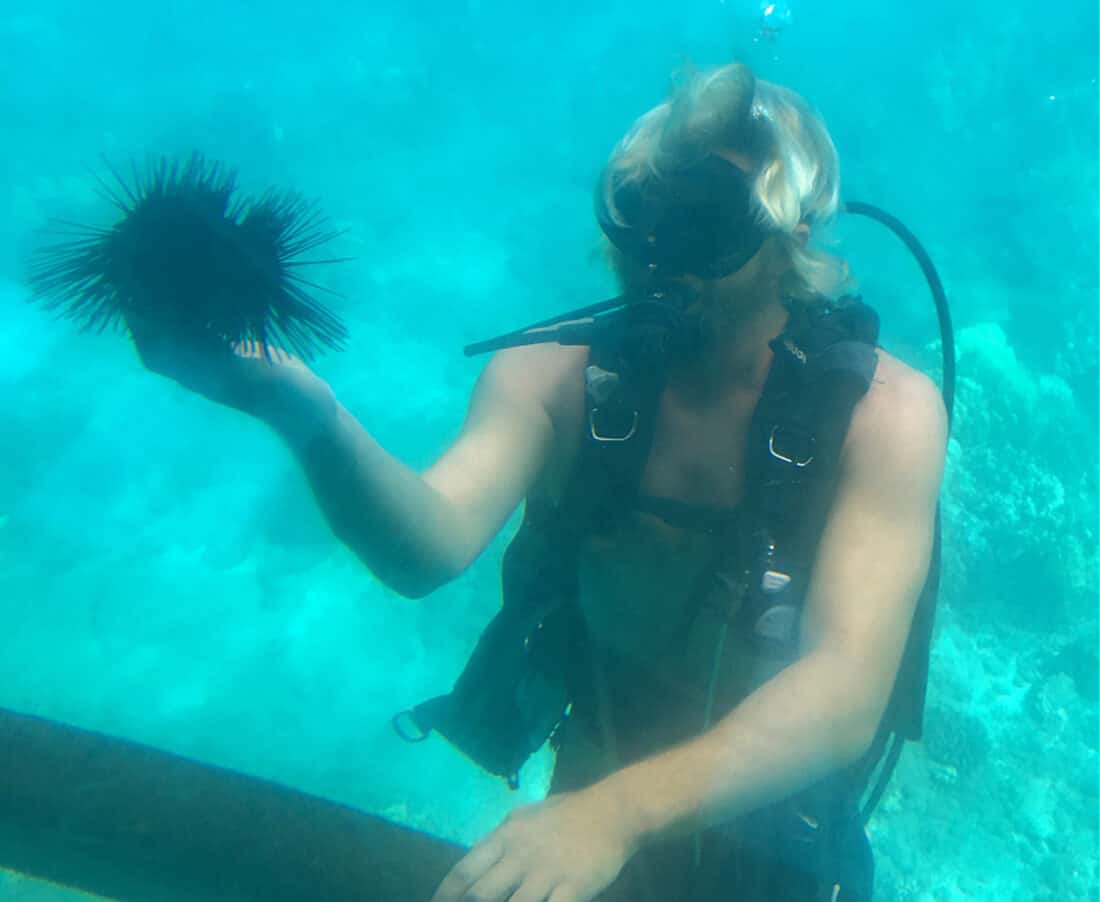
(379, 507)
(799, 727)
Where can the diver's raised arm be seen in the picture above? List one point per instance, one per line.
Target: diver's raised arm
(414, 531)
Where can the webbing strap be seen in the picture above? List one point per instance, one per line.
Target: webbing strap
(620, 424)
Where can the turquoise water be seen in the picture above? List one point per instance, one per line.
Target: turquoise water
(164, 574)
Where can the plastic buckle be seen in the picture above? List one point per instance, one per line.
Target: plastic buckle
(799, 462)
(598, 436)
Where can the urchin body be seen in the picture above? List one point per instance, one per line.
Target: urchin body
(191, 258)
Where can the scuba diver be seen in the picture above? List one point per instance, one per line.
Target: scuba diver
(730, 516)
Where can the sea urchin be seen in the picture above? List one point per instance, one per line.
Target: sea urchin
(190, 257)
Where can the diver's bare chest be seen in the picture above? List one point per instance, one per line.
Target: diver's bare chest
(697, 459)
(637, 577)
(698, 452)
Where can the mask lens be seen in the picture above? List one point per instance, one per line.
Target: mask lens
(699, 220)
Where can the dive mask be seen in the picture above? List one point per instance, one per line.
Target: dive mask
(698, 219)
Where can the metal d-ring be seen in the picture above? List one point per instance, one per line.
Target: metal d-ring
(592, 428)
(398, 722)
(778, 455)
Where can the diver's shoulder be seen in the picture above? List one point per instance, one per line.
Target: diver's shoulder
(901, 415)
(550, 374)
(897, 385)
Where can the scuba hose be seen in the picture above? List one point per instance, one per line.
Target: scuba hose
(939, 297)
(889, 759)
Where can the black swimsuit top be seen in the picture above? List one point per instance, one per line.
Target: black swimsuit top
(708, 518)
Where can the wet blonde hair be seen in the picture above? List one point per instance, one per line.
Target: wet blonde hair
(795, 176)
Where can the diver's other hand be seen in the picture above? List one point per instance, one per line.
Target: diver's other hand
(568, 848)
(239, 375)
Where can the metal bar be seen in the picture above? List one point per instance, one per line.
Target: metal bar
(129, 822)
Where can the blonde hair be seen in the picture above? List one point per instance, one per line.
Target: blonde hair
(796, 171)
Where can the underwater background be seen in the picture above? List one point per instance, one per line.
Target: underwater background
(164, 574)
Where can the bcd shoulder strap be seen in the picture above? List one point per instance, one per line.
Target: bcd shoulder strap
(823, 364)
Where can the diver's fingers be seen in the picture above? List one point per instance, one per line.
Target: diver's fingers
(246, 348)
(253, 349)
(498, 884)
(567, 892)
(469, 870)
(535, 889)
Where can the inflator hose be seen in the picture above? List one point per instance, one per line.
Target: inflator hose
(943, 311)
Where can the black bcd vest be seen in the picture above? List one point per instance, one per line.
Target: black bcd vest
(521, 679)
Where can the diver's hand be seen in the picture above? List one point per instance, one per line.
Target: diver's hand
(568, 848)
(239, 375)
